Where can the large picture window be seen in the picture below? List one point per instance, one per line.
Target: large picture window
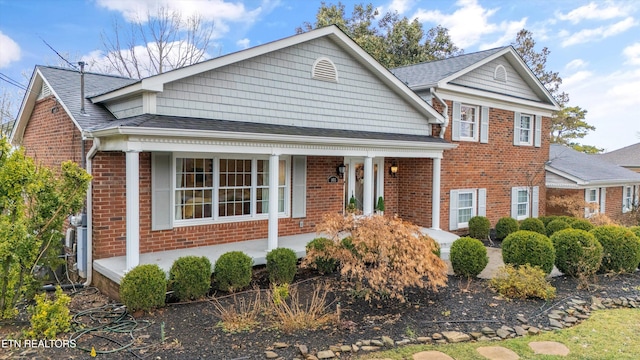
(238, 186)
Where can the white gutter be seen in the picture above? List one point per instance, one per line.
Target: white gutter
(443, 129)
(90, 155)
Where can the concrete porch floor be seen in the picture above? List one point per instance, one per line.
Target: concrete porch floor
(114, 268)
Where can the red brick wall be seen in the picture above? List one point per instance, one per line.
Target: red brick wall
(497, 166)
(51, 137)
(415, 183)
(612, 206)
(109, 211)
(556, 210)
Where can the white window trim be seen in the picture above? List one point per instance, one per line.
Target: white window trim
(475, 122)
(528, 203)
(530, 129)
(215, 219)
(474, 206)
(627, 199)
(588, 212)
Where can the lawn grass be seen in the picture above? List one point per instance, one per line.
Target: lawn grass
(607, 334)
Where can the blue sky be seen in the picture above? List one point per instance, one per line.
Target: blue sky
(595, 45)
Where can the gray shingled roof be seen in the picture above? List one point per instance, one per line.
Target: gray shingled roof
(429, 73)
(627, 156)
(66, 84)
(588, 168)
(185, 123)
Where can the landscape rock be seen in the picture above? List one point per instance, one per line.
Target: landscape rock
(387, 341)
(431, 355)
(303, 349)
(549, 348)
(325, 354)
(455, 336)
(502, 333)
(270, 355)
(497, 352)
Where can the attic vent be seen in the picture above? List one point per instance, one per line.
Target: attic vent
(500, 74)
(44, 92)
(325, 70)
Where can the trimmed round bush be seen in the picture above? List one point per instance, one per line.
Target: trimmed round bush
(190, 277)
(533, 224)
(568, 219)
(233, 271)
(468, 257)
(621, 248)
(556, 225)
(143, 288)
(578, 253)
(281, 265)
(479, 227)
(635, 230)
(324, 264)
(547, 219)
(528, 247)
(582, 224)
(506, 226)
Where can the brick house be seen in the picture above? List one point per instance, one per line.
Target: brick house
(628, 157)
(184, 162)
(613, 190)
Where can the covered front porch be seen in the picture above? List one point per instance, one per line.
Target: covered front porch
(114, 268)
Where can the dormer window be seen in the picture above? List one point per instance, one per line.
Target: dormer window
(324, 69)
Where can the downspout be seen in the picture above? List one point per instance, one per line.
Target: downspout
(443, 128)
(90, 155)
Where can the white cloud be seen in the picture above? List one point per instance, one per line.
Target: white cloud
(576, 64)
(632, 53)
(602, 32)
(221, 12)
(470, 22)
(593, 11)
(401, 6)
(608, 99)
(10, 50)
(243, 43)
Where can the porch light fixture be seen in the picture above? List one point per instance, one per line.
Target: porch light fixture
(393, 170)
(340, 170)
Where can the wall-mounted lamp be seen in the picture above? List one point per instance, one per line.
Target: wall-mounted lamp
(340, 170)
(393, 170)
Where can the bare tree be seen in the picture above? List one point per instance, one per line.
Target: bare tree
(158, 43)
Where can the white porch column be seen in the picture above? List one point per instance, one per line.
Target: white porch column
(274, 170)
(367, 193)
(133, 209)
(435, 195)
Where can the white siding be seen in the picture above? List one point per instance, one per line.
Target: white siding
(126, 107)
(482, 78)
(552, 180)
(277, 88)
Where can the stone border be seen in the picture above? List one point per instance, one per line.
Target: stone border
(573, 312)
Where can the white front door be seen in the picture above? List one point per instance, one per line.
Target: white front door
(354, 181)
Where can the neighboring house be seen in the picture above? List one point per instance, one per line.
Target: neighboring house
(627, 157)
(191, 159)
(613, 190)
(5, 128)
(498, 114)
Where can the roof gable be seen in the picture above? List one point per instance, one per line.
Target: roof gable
(628, 156)
(457, 74)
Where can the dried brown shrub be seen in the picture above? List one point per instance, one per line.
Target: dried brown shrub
(293, 314)
(572, 205)
(240, 316)
(601, 219)
(385, 255)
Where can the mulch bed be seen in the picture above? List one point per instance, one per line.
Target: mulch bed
(190, 330)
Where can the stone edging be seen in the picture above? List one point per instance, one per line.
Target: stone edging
(571, 313)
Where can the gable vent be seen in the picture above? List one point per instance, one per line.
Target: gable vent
(44, 92)
(500, 74)
(325, 70)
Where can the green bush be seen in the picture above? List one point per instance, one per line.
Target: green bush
(468, 257)
(621, 248)
(635, 230)
(578, 253)
(50, 317)
(506, 226)
(547, 219)
(522, 283)
(281, 265)
(479, 227)
(143, 288)
(324, 264)
(568, 219)
(582, 224)
(436, 246)
(528, 247)
(233, 271)
(533, 224)
(556, 225)
(190, 277)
